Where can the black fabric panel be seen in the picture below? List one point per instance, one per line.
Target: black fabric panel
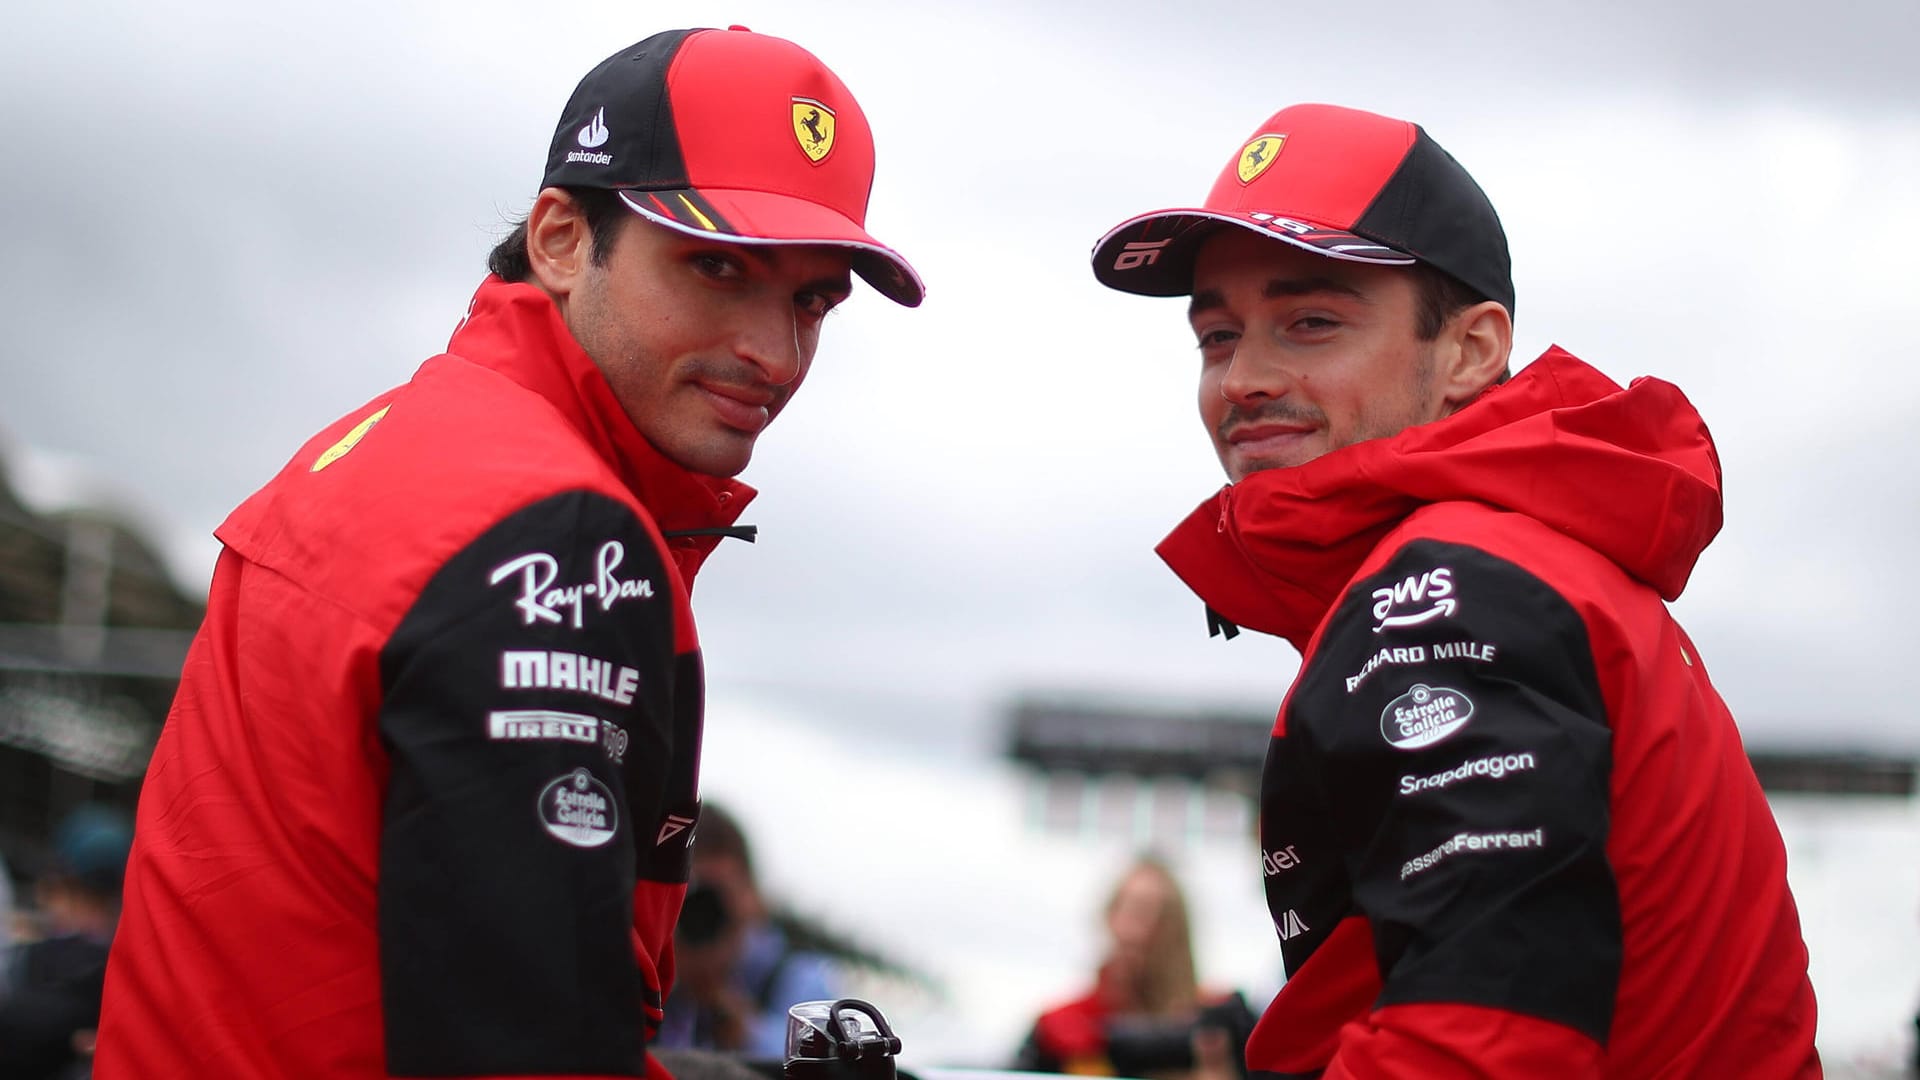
(530, 725)
(667, 855)
(642, 140)
(1308, 891)
(1432, 209)
(1453, 720)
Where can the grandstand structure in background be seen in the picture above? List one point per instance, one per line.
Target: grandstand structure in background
(93, 630)
(1167, 776)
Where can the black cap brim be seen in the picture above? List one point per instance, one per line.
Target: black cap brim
(1153, 254)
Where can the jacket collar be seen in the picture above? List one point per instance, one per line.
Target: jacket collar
(517, 331)
(1631, 473)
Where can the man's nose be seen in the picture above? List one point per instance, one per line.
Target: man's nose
(771, 342)
(1254, 374)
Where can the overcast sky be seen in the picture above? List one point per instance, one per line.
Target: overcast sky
(230, 223)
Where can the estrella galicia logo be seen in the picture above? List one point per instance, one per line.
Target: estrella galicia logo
(1424, 715)
(579, 809)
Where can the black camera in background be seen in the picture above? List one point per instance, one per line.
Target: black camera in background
(704, 918)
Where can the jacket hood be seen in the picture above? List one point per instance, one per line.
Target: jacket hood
(1631, 473)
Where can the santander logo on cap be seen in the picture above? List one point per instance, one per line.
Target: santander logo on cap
(595, 133)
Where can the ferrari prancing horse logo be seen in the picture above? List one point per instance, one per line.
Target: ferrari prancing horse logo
(813, 128)
(1258, 155)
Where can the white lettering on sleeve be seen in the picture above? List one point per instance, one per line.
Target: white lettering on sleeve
(540, 670)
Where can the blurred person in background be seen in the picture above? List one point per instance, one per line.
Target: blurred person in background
(422, 803)
(52, 1007)
(740, 967)
(1508, 826)
(1145, 1008)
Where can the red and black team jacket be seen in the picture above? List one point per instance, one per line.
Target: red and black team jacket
(421, 807)
(1508, 828)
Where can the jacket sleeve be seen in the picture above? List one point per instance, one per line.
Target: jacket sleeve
(527, 711)
(1455, 731)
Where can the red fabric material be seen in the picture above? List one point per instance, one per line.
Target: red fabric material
(721, 85)
(1075, 1031)
(1327, 172)
(1609, 495)
(248, 945)
(1465, 1042)
(1300, 1029)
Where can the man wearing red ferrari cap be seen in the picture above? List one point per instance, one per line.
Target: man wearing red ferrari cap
(1507, 825)
(423, 802)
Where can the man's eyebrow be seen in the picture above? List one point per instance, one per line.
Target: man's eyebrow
(1280, 287)
(1205, 300)
(839, 285)
(832, 284)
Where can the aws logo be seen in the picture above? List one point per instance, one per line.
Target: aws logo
(813, 128)
(1433, 589)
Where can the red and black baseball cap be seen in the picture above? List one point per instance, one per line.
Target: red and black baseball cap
(729, 133)
(1337, 182)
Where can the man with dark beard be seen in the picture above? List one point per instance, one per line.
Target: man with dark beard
(422, 804)
(1507, 825)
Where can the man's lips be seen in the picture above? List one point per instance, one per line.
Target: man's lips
(1257, 438)
(742, 407)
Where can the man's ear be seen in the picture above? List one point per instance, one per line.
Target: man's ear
(559, 243)
(1475, 346)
